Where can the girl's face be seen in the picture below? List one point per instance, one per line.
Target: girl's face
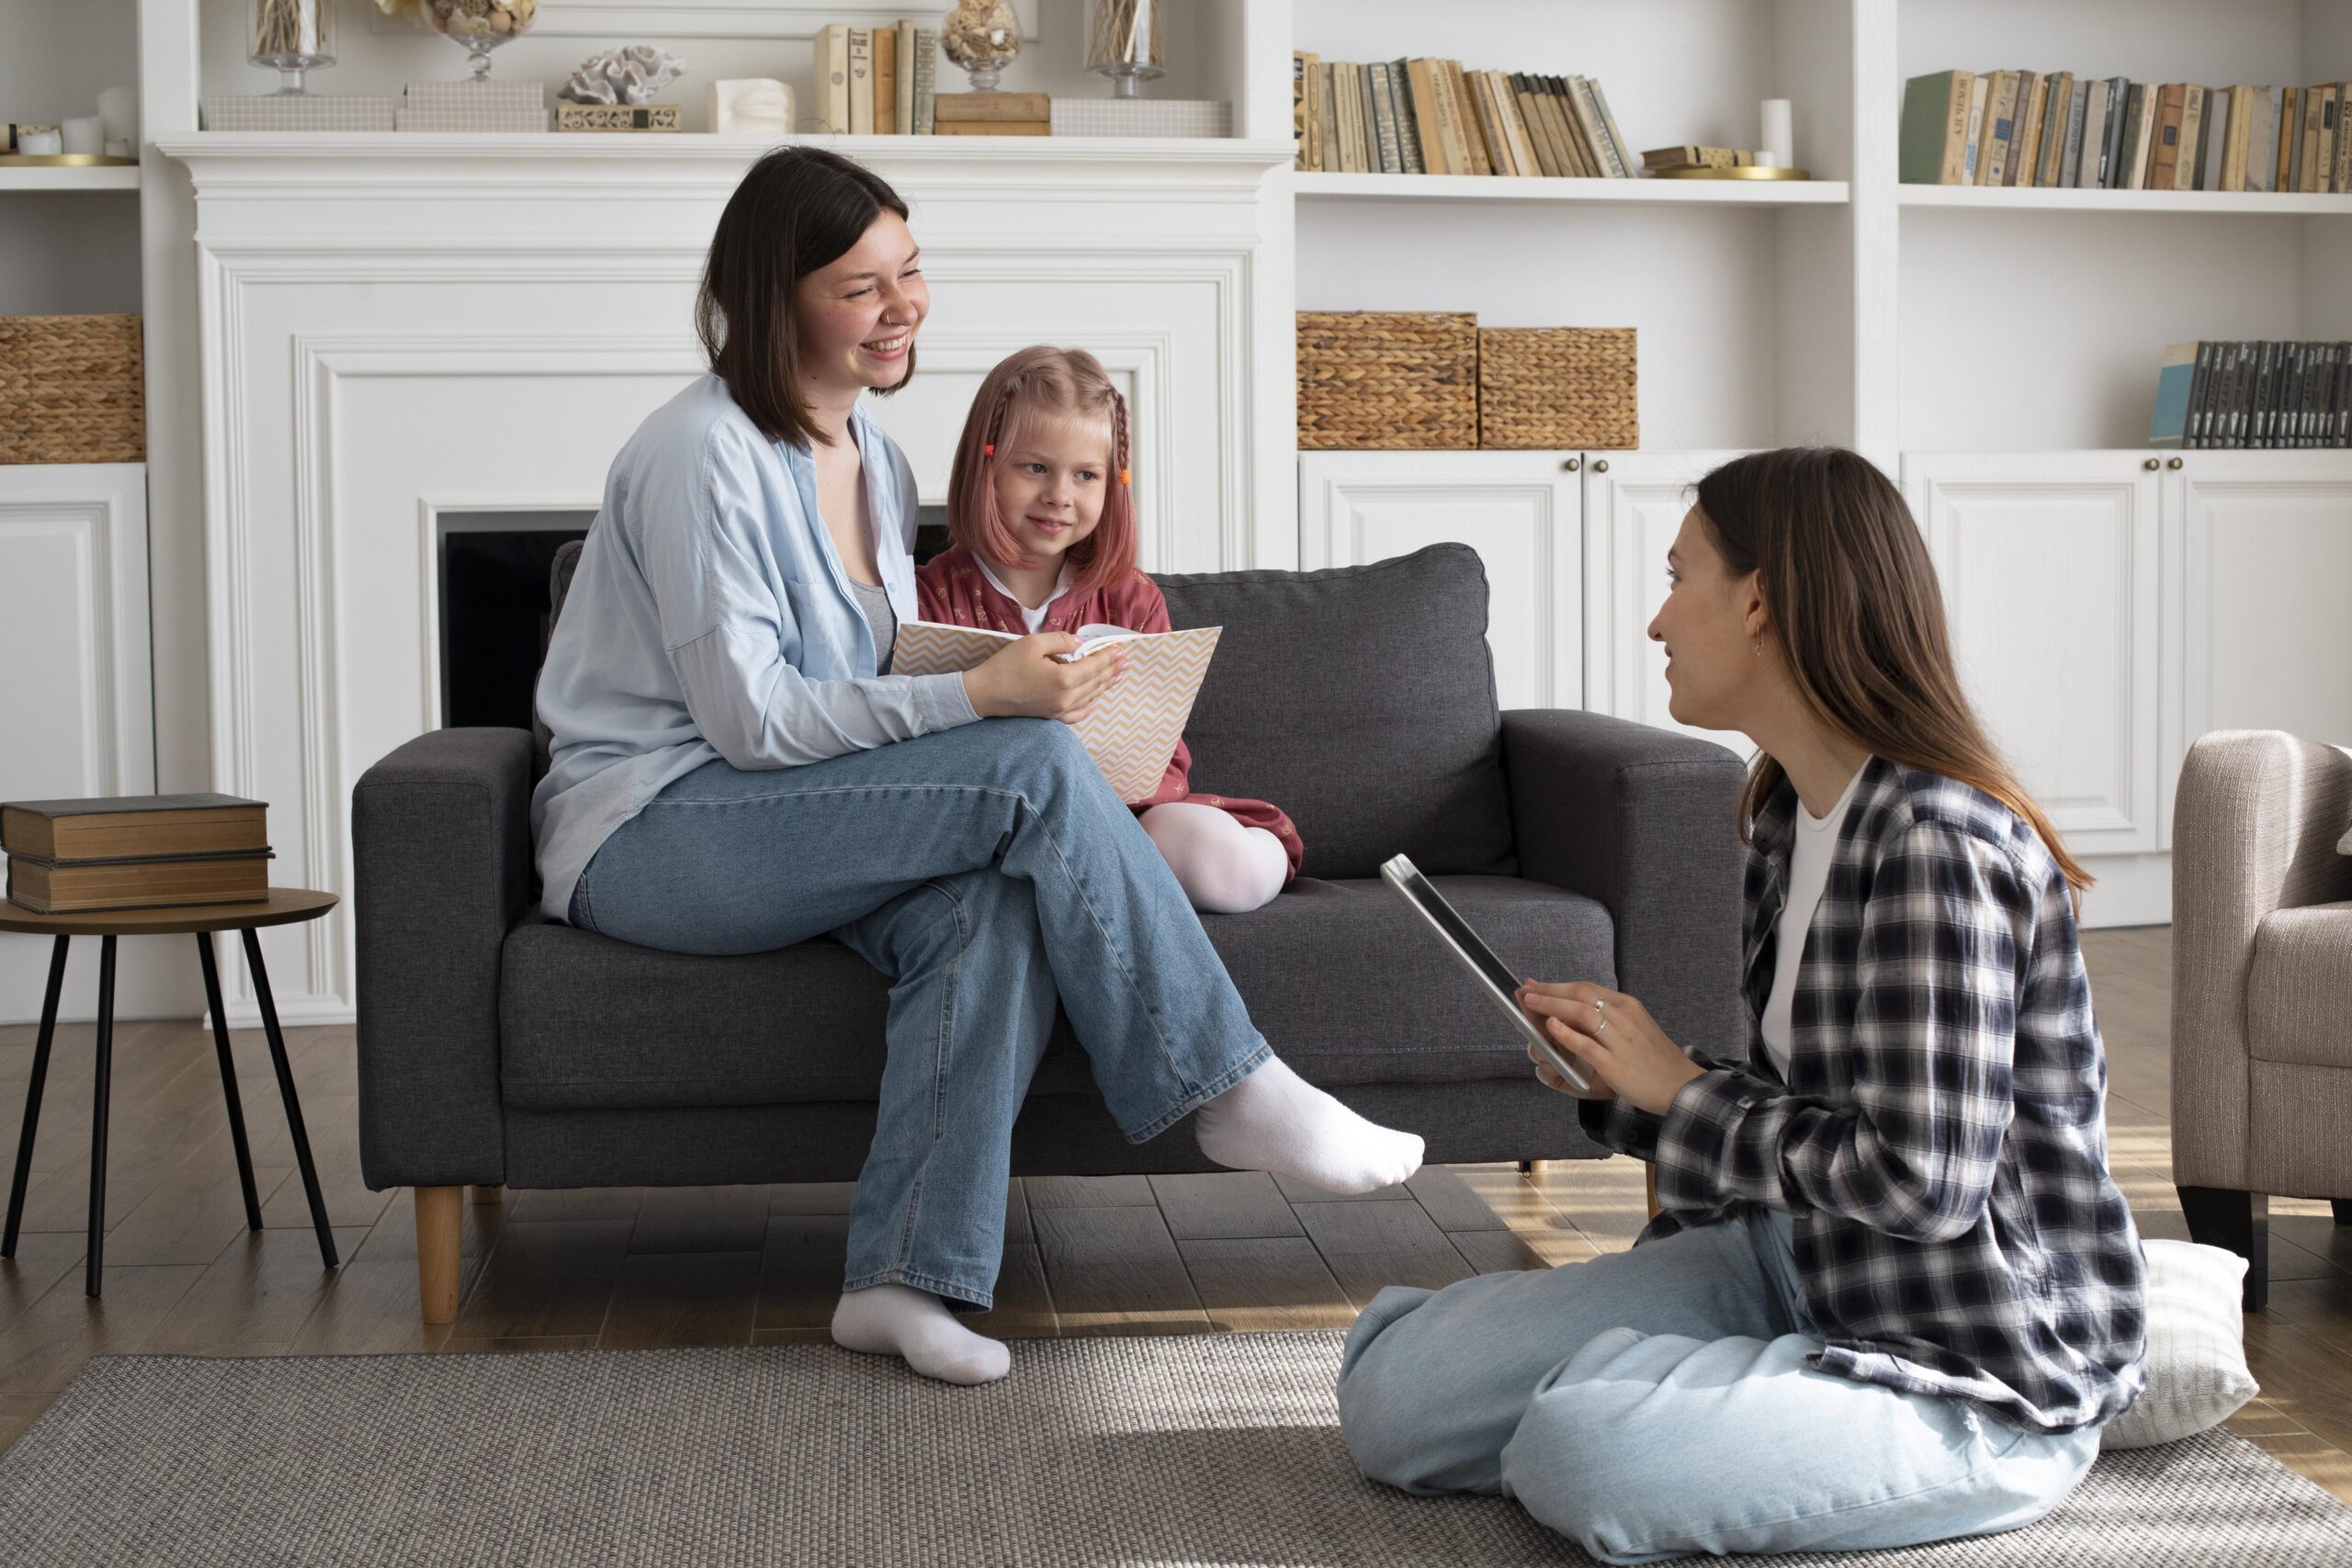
(1709, 624)
(858, 315)
(1051, 482)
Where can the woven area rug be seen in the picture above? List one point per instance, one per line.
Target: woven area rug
(1210, 1450)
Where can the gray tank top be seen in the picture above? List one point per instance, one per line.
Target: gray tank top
(874, 601)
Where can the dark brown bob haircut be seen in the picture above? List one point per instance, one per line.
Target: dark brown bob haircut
(799, 209)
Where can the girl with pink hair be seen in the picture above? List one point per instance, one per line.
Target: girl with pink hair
(1042, 512)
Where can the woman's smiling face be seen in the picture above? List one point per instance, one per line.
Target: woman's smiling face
(858, 314)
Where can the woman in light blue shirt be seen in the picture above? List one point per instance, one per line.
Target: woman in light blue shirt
(734, 770)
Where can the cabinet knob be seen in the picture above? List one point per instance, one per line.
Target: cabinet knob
(2172, 462)
(1573, 464)
(1600, 464)
(2150, 465)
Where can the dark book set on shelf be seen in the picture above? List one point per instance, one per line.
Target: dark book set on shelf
(1431, 116)
(2028, 129)
(2218, 394)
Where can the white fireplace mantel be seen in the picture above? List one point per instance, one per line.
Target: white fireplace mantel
(396, 327)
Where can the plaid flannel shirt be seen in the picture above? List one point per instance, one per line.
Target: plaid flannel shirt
(1940, 1141)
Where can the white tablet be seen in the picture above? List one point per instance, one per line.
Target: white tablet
(1493, 978)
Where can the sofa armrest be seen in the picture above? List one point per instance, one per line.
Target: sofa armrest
(1645, 821)
(441, 865)
(2255, 821)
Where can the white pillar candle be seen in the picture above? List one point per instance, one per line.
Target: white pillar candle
(83, 134)
(1777, 140)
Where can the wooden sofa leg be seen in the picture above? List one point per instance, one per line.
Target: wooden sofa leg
(1532, 1166)
(439, 1222)
(2239, 1222)
(490, 1194)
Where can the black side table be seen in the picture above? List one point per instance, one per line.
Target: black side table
(284, 905)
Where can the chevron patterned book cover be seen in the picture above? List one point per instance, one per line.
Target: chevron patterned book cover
(1133, 732)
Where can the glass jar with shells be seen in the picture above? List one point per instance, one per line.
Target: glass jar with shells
(983, 37)
(479, 24)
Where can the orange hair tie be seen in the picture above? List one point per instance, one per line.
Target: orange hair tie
(989, 450)
(1123, 477)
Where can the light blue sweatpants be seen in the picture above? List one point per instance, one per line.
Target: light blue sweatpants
(1657, 1402)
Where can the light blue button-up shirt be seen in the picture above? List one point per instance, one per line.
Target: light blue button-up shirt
(710, 617)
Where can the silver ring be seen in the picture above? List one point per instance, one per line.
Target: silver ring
(1600, 1027)
(1597, 1004)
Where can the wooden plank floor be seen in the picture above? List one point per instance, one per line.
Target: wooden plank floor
(732, 1265)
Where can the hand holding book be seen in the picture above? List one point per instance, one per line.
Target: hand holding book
(1032, 677)
(1128, 700)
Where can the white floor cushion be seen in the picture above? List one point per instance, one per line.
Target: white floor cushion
(2197, 1373)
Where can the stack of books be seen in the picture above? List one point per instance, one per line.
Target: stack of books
(2254, 394)
(2021, 127)
(1431, 116)
(878, 81)
(992, 113)
(135, 851)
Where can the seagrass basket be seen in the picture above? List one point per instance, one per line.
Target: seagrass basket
(73, 389)
(1387, 379)
(1557, 388)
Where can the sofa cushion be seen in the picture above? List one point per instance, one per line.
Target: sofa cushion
(1340, 977)
(1362, 701)
(2299, 988)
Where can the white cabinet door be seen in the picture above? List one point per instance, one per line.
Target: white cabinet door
(1634, 503)
(2053, 578)
(1518, 510)
(2267, 585)
(75, 705)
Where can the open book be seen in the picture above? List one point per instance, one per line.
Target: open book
(1133, 730)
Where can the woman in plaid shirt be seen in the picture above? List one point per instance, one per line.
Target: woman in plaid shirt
(1892, 1292)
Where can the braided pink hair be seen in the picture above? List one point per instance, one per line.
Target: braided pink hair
(1027, 383)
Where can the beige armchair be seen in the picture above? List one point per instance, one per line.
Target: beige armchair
(2261, 986)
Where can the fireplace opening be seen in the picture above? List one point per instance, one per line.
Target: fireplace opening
(494, 620)
(494, 607)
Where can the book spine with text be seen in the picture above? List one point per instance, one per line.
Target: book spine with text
(1408, 121)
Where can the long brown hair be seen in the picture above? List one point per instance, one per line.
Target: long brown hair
(1858, 613)
(798, 208)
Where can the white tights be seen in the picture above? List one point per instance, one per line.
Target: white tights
(1225, 868)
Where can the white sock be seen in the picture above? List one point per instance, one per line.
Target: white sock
(1225, 868)
(898, 1320)
(1274, 1120)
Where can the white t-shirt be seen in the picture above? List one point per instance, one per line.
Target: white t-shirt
(1809, 858)
(1037, 618)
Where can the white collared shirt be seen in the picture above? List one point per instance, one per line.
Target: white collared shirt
(1035, 619)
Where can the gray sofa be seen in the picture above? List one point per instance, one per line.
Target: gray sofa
(496, 1047)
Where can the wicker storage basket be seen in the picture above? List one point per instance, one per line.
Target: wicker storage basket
(1387, 379)
(73, 389)
(1556, 387)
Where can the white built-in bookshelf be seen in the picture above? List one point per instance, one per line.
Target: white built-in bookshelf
(1895, 318)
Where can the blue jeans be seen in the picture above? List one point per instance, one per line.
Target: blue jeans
(1656, 1402)
(989, 870)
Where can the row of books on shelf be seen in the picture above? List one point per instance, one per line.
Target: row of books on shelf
(135, 851)
(878, 80)
(1431, 116)
(2022, 128)
(2222, 393)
